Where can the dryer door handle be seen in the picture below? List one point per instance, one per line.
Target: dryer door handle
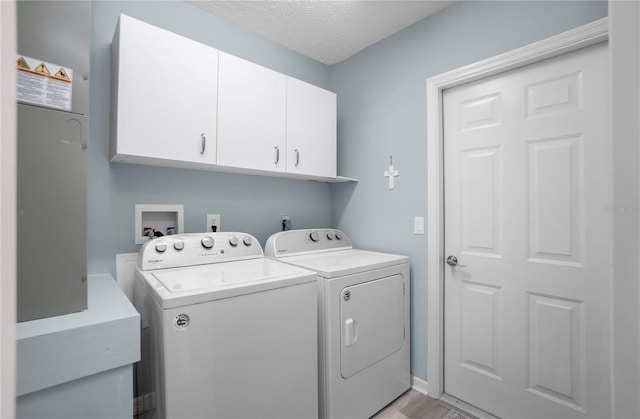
(350, 332)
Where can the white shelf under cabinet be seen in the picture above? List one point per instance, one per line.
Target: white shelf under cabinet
(339, 179)
(284, 175)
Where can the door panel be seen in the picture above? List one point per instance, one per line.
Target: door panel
(480, 329)
(527, 182)
(555, 329)
(555, 200)
(481, 201)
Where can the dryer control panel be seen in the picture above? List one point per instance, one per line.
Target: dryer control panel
(197, 249)
(295, 242)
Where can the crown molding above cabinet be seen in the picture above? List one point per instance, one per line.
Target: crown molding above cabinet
(179, 103)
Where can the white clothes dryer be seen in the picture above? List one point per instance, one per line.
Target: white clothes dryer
(363, 319)
(231, 334)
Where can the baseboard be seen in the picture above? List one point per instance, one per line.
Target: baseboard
(419, 385)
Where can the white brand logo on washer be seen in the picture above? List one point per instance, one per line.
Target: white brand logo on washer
(181, 321)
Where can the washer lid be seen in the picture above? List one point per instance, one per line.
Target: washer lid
(345, 262)
(190, 285)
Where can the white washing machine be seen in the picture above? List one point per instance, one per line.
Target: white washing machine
(363, 319)
(231, 334)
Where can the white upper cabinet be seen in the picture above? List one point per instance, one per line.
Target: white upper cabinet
(177, 102)
(311, 130)
(164, 97)
(251, 115)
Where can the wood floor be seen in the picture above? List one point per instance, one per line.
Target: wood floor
(411, 405)
(414, 405)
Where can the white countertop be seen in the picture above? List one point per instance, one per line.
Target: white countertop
(59, 349)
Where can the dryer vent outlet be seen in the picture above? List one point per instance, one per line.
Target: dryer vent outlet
(286, 223)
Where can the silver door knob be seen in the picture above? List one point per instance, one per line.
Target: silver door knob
(453, 261)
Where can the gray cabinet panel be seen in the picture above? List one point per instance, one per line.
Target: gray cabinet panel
(52, 212)
(59, 32)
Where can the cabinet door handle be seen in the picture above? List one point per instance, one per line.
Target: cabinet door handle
(277, 155)
(297, 157)
(204, 143)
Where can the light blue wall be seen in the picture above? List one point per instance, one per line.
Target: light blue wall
(382, 111)
(253, 204)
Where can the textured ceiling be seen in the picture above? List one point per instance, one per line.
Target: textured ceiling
(327, 31)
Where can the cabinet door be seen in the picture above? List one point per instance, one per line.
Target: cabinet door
(311, 129)
(251, 115)
(165, 89)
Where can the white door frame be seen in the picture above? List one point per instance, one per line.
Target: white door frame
(563, 43)
(8, 207)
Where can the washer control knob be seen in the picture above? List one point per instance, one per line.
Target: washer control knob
(330, 235)
(207, 242)
(161, 247)
(247, 241)
(338, 235)
(178, 245)
(233, 241)
(314, 236)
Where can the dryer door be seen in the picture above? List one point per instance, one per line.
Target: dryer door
(372, 318)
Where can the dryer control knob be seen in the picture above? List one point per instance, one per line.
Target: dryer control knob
(338, 235)
(161, 247)
(233, 241)
(247, 241)
(314, 236)
(330, 236)
(207, 242)
(178, 245)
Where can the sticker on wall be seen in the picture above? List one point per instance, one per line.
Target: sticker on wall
(181, 321)
(45, 84)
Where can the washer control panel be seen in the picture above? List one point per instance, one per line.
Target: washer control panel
(291, 242)
(197, 249)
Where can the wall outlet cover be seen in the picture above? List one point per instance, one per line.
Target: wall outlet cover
(213, 223)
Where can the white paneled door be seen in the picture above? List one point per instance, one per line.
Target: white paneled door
(528, 216)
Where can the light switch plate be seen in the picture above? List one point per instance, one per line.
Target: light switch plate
(418, 225)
